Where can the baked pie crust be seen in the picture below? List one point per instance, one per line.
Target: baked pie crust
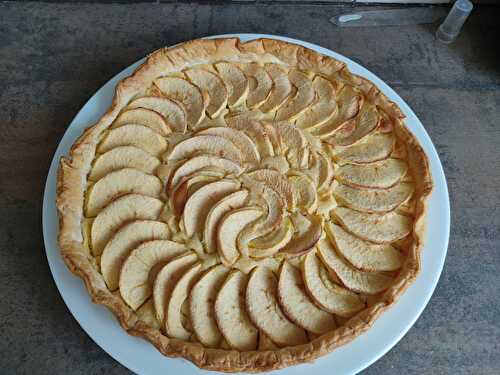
(246, 206)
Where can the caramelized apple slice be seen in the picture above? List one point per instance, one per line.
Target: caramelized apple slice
(229, 228)
(282, 88)
(296, 304)
(144, 117)
(327, 294)
(207, 144)
(141, 267)
(373, 200)
(123, 242)
(379, 175)
(167, 279)
(362, 254)
(373, 148)
(118, 183)
(260, 84)
(271, 243)
(123, 157)
(134, 135)
(256, 132)
(213, 87)
(372, 227)
(243, 142)
(359, 281)
(297, 104)
(365, 123)
(174, 326)
(236, 83)
(199, 204)
(323, 109)
(186, 93)
(197, 163)
(231, 314)
(304, 193)
(264, 311)
(276, 181)
(349, 101)
(172, 111)
(119, 212)
(217, 212)
(308, 230)
(202, 306)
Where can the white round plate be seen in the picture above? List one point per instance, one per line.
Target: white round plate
(141, 357)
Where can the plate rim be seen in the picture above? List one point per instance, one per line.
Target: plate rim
(77, 125)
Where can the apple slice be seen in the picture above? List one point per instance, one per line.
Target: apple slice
(145, 117)
(123, 242)
(118, 183)
(325, 107)
(327, 294)
(256, 132)
(373, 200)
(273, 136)
(358, 281)
(282, 87)
(264, 311)
(325, 169)
(298, 158)
(265, 342)
(123, 157)
(134, 135)
(231, 315)
(364, 255)
(308, 231)
(146, 313)
(297, 104)
(217, 212)
(200, 203)
(207, 144)
(271, 243)
(274, 215)
(198, 163)
(373, 148)
(296, 304)
(372, 227)
(179, 295)
(167, 279)
(243, 142)
(139, 270)
(229, 228)
(349, 102)
(260, 84)
(313, 168)
(326, 203)
(276, 181)
(186, 93)
(290, 136)
(118, 212)
(172, 111)
(366, 122)
(379, 175)
(304, 192)
(236, 83)
(185, 189)
(212, 87)
(201, 306)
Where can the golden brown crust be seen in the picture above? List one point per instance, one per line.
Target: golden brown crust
(73, 170)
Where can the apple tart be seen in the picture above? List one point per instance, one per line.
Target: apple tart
(246, 206)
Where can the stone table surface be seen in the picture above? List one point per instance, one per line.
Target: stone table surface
(54, 56)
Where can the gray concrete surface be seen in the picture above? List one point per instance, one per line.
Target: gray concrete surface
(53, 57)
